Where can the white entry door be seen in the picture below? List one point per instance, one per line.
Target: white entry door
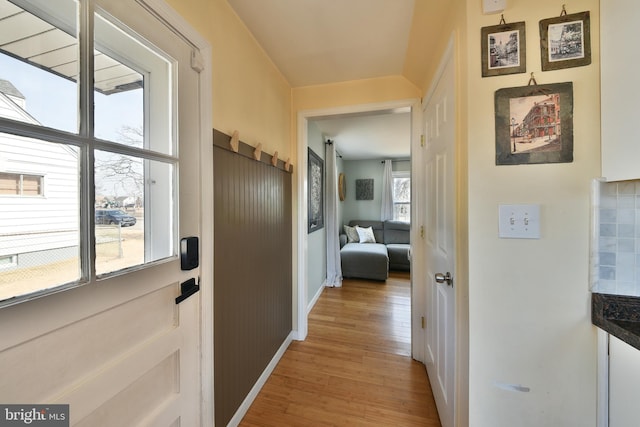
(439, 128)
(114, 345)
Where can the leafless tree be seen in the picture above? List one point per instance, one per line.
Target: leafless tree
(118, 173)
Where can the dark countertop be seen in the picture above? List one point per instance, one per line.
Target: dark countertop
(618, 315)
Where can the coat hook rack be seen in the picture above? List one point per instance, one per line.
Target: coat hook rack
(274, 159)
(258, 151)
(235, 138)
(287, 164)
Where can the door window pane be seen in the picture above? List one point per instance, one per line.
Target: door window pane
(133, 91)
(39, 63)
(39, 236)
(134, 211)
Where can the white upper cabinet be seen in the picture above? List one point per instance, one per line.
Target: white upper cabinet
(620, 89)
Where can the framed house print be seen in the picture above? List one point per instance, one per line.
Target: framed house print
(503, 49)
(315, 192)
(565, 41)
(534, 124)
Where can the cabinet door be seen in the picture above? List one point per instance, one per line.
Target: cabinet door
(620, 88)
(624, 384)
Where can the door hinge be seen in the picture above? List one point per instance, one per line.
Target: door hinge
(422, 140)
(422, 231)
(422, 322)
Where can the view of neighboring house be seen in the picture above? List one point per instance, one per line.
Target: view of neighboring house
(38, 194)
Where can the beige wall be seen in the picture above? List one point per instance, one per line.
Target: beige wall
(529, 299)
(249, 93)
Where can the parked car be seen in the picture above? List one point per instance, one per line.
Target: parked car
(114, 216)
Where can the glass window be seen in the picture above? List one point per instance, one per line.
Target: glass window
(401, 196)
(15, 184)
(47, 149)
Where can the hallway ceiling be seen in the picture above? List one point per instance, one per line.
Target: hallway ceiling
(324, 41)
(327, 41)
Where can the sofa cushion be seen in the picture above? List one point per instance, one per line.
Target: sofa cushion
(352, 234)
(376, 226)
(365, 235)
(369, 261)
(396, 232)
(399, 256)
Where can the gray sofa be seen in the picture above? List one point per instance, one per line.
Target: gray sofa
(374, 260)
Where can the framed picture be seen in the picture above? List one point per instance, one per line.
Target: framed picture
(315, 191)
(534, 124)
(364, 189)
(503, 49)
(565, 41)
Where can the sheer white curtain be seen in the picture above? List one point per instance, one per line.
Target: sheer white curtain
(334, 270)
(387, 192)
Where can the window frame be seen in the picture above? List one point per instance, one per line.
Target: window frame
(88, 144)
(400, 175)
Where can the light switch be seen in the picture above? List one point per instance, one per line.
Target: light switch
(519, 221)
(493, 6)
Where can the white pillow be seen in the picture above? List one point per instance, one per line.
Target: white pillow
(352, 234)
(365, 234)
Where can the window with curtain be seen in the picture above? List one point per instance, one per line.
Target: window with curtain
(402, 196)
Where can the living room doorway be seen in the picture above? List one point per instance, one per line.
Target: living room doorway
(314, 128)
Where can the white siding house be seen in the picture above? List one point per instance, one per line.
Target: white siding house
(38, 194)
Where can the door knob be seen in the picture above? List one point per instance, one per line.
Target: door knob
(444, 278)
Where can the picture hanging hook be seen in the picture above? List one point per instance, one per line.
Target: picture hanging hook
(532, 79)
(564, 11)
(502, 21)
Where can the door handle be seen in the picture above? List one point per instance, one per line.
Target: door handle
(187, 289)
(444, 278)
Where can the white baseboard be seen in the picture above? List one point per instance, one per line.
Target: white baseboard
(315, 298)
(246, 404)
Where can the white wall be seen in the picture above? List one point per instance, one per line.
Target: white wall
(529, 301)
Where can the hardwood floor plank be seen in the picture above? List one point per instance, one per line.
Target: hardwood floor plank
(354, 368)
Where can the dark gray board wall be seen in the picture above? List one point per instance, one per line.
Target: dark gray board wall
(252, 270)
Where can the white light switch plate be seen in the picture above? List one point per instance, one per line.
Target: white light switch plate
(519, 221)
(493, 6)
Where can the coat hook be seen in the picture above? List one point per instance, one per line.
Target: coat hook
(287, 164)
(274, 159)
(234, 141)
(258, 151)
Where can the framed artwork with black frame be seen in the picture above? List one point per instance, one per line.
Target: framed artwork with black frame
(534, 124)
(565, 41)
(315, 192)
(504, 49)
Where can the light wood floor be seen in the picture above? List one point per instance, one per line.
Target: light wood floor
(354, 368)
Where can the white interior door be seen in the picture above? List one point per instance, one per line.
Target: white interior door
(439, 128)
(119, 350)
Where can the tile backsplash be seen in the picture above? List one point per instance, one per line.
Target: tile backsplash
(615, 237)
